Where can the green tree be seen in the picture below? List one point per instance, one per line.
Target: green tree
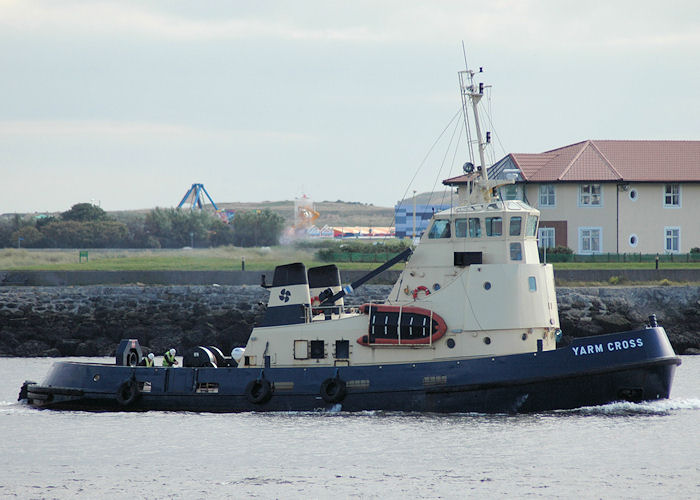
(257, 228)
(31, 237)
(84, 212)
(174, 228)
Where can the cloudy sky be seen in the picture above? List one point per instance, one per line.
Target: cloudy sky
(128, 103)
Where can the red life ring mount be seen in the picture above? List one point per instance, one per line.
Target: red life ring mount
(419, 289)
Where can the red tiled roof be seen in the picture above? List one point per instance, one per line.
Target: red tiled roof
(630, 161)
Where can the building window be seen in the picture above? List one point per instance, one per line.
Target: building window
(672, 195)
(590, 195)
(474, 228)
(547, 196)
(590, 240)
(494, 226)
(672, 241)
(460, 228)
(515, 226)
(546, 237)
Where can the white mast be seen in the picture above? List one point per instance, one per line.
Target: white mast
(482, 188)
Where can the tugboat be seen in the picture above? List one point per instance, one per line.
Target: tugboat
(471, 325)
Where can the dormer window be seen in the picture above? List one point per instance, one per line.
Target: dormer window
(440, 229)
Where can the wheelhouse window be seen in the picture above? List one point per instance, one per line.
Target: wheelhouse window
(510, 192)
(439, 229)
(672, 195)
(590, 195)
(547, 195)
(474, 228)
(516, 251)
(546, 237)
(589, 240)
(531, 228)
(672, 239)
(460, 228)
(494, 226)
(515, 226)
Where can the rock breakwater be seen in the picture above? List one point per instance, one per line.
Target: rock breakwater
(90, 320)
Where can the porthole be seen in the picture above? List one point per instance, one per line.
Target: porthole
(451, 343)
(633, 194)
(487, 285)
(634, 240)
(487, 340)
(524, 336)
(96, 378)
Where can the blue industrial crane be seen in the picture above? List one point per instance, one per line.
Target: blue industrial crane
(195, 197)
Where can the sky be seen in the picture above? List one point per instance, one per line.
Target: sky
(126, 104)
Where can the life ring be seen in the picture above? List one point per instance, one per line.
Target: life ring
(127, 392)
(420, 289)
(258, 391)
(333, 390)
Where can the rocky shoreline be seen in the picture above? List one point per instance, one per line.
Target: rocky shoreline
(90, 320)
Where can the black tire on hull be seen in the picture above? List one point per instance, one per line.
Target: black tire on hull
(258, 391)
(127, 393)
(333, 390)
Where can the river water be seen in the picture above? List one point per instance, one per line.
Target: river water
(621, 450)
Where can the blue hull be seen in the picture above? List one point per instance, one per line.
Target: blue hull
(634, 366)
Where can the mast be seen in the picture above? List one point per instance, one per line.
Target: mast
(473, 93)
(481, 188)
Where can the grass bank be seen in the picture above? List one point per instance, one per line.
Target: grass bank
(212, 259)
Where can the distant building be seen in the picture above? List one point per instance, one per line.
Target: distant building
(610, 196)
(404, 217)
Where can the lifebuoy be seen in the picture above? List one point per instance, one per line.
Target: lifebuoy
(333, 390)
(127, 392)
(258, 391)
(420, 289)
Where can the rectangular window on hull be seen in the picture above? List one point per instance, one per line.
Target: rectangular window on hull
(301, 349)
(342, 349)
(318, 349)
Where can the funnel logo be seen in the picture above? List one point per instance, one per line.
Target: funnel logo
(285, 294)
